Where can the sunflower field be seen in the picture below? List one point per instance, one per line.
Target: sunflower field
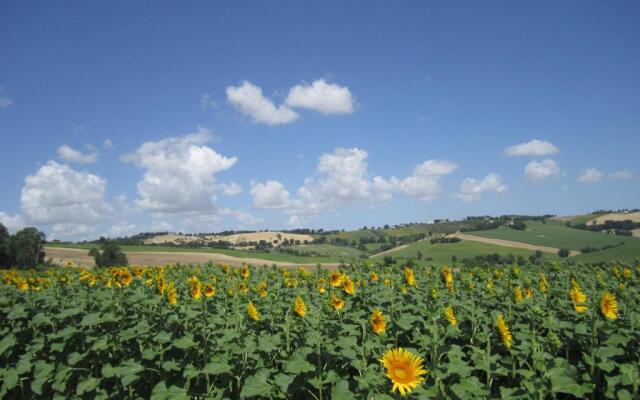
(365, 331)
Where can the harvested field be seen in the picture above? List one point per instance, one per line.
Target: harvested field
(80, 257)
(510, 243)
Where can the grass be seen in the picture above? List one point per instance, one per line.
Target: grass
(275, 256)
(441, 253)
(584, 218)
(331, 250)
(556, 234)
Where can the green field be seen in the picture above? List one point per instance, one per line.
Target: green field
(274, 256)
(441, 253)
(584, 218)
(331, 250)
(556, 234)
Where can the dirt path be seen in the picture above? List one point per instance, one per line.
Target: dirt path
(389, 251)
(81, 257)
(510, 243)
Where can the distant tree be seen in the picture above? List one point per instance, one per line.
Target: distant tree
(563, 253)
(518, 225)
(6, 260)
(419, 255)
(454, 259)
(388, 260)
(108, 255)
(27, 247)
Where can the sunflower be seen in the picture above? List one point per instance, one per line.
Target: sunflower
(172, 295)
(505, 333)
(489, 284)
(209, 290)
(450, 316)
(245, 272)
(404, 369)
(387, 282)
(263, 293)
(627, 273)
(337, 303)
(348, 286)
(335, 279)
(528, 292)
(252, 311)
(544, 284)
(374, 277)
(578, 298)
(609, 306)
(299, 307)
(447, 276)
(124, 277)
(195, 288)
(378, 322)
(243, 288)
(409, 276)
(435, 294)
(517, 294)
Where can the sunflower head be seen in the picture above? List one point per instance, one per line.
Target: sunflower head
(609, 306)
(404, 369)
(245, 272)
(252, 312)
(348, 286)
(337, 303)
(209, 290)
(378, 322)
(505, 333)
(300, 307)
(335, 279)
(517, 294)
(450, 316)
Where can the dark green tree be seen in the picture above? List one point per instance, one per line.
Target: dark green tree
(27, 247)
(6, 259)
(563, 253)
(109, 255)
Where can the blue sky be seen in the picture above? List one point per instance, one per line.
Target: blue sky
(122, 117)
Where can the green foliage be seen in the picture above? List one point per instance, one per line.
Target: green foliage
(109, 255)
(74, 333)
(25, 249)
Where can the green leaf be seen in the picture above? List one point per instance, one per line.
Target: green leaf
(298, 363)
(170, 366)
(185, 342)
(269, 343)
(7, 342)
(283, 381)
(256, 385)
(608, 352)
(10, 378)
(87, 386)
(37, 385)
(75, 358)
(340, 391)
(90, 319)
(161, 392)
(216, 368)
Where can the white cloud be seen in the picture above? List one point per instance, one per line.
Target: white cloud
(327, 98)
(533, 148)
(245, 220)
(230, 189)
(472, 189)
(207, 102)
(540, 171)
(342, 178)
(121, 229)
(590, 175)
(424, 183)
(435, 168)
(249, 100)
(270, 194)
(107, 144)
(69, 154)
(13, 223)
(621, 174)
(5, 101)
(57, 194)
(180, 174)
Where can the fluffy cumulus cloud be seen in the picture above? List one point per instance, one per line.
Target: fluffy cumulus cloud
(244, 219)
(590, 175)
(230, 189)
(534, 147)
(68, 154)
(249, 100)
(621, 174)
(341, 178)
(13, 223)
(539, 171)
(180, 174)
(326, 98)
(73, 201)
(473, 189)
(270, 194)
(121, 229)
